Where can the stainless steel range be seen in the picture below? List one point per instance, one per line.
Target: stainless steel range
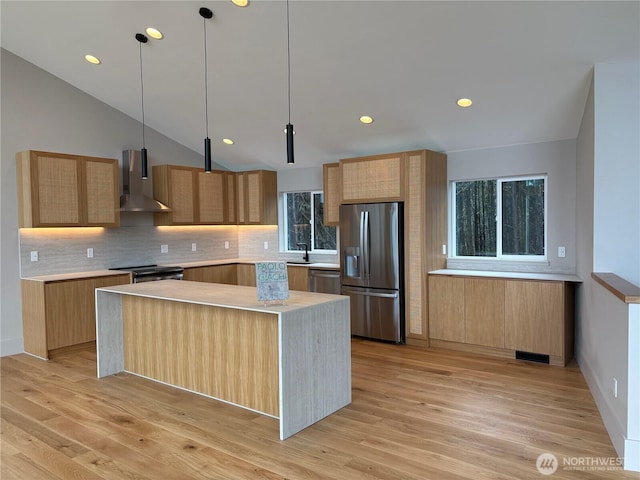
(151, 273)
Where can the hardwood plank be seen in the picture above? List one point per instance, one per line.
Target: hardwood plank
(415, 414)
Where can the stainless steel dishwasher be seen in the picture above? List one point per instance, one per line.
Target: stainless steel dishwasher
(324, 281)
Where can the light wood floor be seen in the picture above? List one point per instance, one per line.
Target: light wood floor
(416, 414)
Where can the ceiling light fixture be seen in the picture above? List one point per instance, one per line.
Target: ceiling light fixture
(366, 119)
(91, 59)
(206, 14)
(289, 127)
(464, 102)
(143, 153)
(240, 3)
(154, 33)
(228, 141)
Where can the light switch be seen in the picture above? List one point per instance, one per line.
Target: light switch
(193, 247)
(266, 245)
(34, 255)
(561, 252)
(226, 245)
(164, 248)
(89, 252)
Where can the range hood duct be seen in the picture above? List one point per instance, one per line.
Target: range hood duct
(132, 198)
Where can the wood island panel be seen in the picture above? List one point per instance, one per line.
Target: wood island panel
(242, 369)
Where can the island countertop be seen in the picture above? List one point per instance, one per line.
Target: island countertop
(219, 295)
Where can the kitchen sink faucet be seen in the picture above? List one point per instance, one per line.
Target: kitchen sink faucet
(306, 251)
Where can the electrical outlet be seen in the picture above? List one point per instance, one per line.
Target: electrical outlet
(266, 245)
(193, 247)
(226, 245)
(444, 249)
(561, 252)
(164, 248)
(615, 388)
(89, 252)
(34, 256)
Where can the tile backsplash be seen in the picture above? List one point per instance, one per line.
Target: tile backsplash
(64, 250)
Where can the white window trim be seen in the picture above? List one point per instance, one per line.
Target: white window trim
(499, 256)
(285, 225)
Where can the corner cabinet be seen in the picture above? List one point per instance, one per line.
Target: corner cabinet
(257, 193)
(62, 190)
(61, 313)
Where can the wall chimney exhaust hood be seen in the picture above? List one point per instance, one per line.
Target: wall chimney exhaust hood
(132, 199)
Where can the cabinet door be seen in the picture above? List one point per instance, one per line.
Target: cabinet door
(232, 197)
(182, 195)
(70, 309)
(246, 275)
(446, 308)
(102, 191)
(212, 198)
(257, 197)
(534, 315)
(213, 274)
(241, 197)
(373, 179)
(298, 278)
(331, 189)
(484, 311)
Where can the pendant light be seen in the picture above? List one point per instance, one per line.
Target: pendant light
(206, 14)
(143, 153)
(289, 127)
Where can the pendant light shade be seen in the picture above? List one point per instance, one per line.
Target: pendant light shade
(143, 153)
(289, 128)
(206, 14)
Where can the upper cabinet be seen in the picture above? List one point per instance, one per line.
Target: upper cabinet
(331, 183)
(61, 190)
(216, 198)
(372, 179)
(257, 193)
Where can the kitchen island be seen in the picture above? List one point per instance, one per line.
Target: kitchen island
(291, 362)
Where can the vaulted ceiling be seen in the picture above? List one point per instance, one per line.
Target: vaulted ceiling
(526, 65)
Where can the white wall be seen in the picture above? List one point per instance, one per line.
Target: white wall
(608, 235)
(41, 112)
(557, 160)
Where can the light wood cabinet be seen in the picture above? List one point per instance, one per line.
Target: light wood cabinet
(331, 189)
(378, 178)
(195, 197)
(298, 278)
(257, 194)
(501, 316)
(61, 313)
(246, 274)
(213, 274)
(536, 317)
(61, 190)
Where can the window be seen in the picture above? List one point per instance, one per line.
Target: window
(500, 218)
(303, 223)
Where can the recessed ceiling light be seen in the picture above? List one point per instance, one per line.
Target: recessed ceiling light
(154, 33)
(464, 102)
(92, 59)
(366, 119)
(240, 3)
(228, 141)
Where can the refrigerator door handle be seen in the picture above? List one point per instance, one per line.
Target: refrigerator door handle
(371, 294)
(364, 241)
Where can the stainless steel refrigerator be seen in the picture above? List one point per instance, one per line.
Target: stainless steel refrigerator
(372, 268)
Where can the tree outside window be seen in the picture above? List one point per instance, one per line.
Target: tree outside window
(500, 218)
(304, 223)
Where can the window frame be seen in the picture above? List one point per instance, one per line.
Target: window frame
(500, 257)
(284, 247)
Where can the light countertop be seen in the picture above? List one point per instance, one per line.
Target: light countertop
(220, 295)
(75, 275)
(557, 277)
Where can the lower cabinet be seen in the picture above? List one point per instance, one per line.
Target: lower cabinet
(298, 278)
(213, 274)
(502, 316)
(246, 274)
(62, 313)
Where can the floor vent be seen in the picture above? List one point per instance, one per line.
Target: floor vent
(532, 357)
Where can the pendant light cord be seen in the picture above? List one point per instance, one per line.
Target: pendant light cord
(142, 95)
(206, 83)
(288, 63)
